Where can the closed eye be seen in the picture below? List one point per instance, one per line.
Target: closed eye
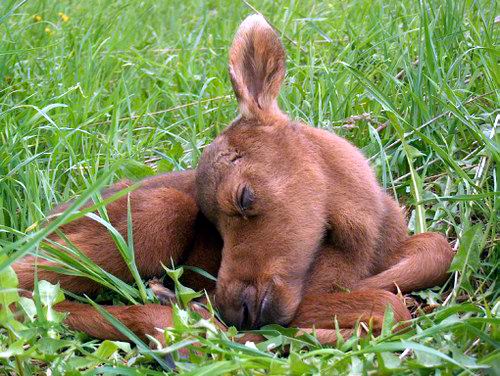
(244, 199)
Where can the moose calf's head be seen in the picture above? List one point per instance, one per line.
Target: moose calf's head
(261, 183)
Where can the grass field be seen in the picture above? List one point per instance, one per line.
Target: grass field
(94, 91)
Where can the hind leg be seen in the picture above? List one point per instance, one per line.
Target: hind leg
(163, 228)
(422, 261)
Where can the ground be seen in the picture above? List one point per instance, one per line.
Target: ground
(93, 91)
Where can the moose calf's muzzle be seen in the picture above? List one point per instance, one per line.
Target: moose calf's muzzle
(247, 307)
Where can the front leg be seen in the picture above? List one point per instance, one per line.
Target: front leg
(368, 306)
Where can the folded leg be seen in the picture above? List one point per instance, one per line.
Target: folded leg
(347, 309)
(143, 320)
(163, 228)
(422, 261)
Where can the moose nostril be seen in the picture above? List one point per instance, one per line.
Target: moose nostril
(249, 308)
(256, 311)
(269, 309)
(246, 320)
(264, 306)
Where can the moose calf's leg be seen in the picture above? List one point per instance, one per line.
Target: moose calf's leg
(422, 261)
(322, 310)
(25, 270)
(140, 319)
(328, 336)
(318, 312)
(163, 227)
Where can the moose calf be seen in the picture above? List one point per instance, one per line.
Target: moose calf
(289, 217)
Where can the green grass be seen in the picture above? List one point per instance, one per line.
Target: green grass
(132, 88)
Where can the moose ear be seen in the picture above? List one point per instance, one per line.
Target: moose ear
(257, 67)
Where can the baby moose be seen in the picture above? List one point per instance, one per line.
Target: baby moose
(289, 217)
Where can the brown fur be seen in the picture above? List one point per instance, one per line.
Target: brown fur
(290, 217)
